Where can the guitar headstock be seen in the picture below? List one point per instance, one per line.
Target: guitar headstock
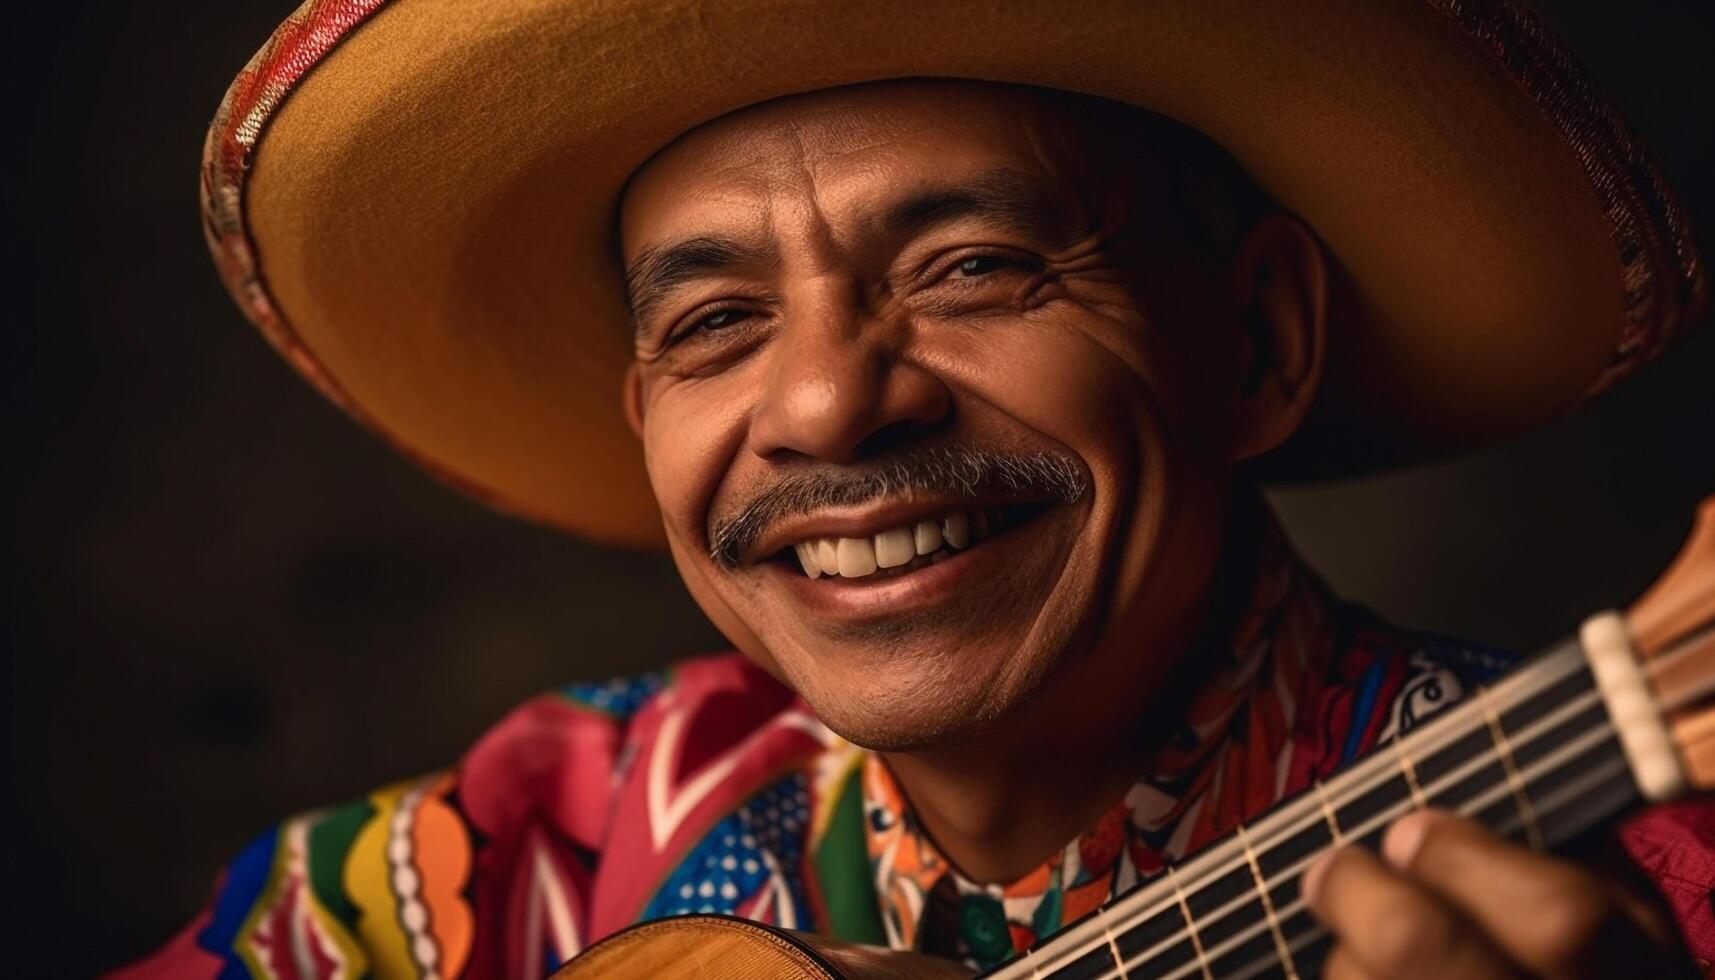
(1672, 629)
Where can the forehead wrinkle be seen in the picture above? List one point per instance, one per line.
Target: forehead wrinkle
(1006, 195)
(823, 244)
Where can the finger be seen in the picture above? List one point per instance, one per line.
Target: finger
(1391, 927)
(1551, 917)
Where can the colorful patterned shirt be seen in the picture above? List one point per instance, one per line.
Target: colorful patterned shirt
(712, 788)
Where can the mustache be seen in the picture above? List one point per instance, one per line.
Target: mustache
(959, 471)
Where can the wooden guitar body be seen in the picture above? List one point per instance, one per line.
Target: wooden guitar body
(719, 947)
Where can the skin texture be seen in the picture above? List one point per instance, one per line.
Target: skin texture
(859, 342)
(809, 306)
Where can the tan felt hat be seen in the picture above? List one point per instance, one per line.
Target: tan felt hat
(414, 200)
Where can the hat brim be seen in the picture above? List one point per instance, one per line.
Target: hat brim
(415, 199)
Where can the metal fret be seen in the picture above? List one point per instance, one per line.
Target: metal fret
(1113, 948)
(1410, 772)
(1602, 789)
(1525, 811)
(1328, 812)
(1267, 904)
(1190, 926)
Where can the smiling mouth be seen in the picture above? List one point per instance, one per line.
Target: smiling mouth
(900, 550)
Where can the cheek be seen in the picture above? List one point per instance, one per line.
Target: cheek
(694, 572)
(1125, 391)
(690, 432)
(1132, 404)
(1075, 377)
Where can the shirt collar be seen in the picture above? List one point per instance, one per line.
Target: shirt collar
(1228, 759)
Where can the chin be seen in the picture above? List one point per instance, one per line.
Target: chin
(899, 715)
(909, 693)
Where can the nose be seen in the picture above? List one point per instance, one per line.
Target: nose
(839, 386)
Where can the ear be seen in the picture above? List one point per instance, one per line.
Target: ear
(631, 396)
(1281, 285)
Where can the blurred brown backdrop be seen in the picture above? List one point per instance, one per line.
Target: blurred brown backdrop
(224, 603)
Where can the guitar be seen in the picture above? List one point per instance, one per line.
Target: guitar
(1621, 714)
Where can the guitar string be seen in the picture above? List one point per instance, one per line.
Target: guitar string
(1570, 794)
(1693, 692)
(1687, 697)
(1572, 749)
(1525, 737)
(1271, 837)
(1655, 666)
(1550, 804)
(1436, 740)
(1494, 794)
(1340, 792)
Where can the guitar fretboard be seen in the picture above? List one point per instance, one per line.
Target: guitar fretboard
(1533, 758)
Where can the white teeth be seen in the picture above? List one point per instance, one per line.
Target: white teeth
(927, 536)
(894, 548)
(827, 556)
(807, 558)
(957, 529)
(856, 556)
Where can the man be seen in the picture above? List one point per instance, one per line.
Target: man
(951, 395)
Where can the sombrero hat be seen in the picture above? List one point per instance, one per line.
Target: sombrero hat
(413, 199)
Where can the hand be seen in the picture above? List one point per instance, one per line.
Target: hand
(1449, 899)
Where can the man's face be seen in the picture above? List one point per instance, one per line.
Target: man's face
(932, 439)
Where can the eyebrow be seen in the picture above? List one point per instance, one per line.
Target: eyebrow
(1010, 197)
(657, 270)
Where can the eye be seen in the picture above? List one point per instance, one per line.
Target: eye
(977, 278)
(711, 326)
(720, 319)
(978, 266)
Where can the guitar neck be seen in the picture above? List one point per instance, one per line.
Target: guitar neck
(1535, 758)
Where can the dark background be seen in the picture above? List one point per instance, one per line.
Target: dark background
(224, 603)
